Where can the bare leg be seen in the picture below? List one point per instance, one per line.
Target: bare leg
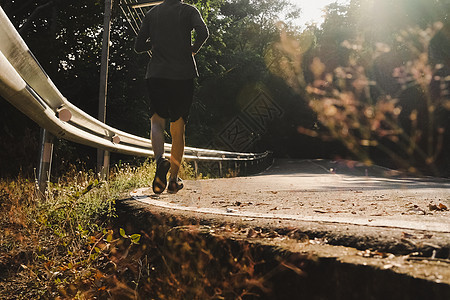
(176, 154)
(157, 135)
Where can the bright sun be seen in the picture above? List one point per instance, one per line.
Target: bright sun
(312, 10)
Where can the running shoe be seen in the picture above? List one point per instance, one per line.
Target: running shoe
(175, 185)
(160, 181)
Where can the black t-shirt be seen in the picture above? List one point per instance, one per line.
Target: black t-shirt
(166, 32)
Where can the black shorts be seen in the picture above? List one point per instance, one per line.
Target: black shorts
(170, 98)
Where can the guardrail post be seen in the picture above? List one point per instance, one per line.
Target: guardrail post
(237, 166)
(45, 159)
(196, 168)
(221, 167)
(103, 156)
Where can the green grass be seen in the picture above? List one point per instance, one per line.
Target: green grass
(53, 245)
(76, 242)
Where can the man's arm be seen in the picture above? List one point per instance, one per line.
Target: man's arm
(201, 31)
(142, 43)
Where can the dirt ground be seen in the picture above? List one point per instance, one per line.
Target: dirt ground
(345, 210)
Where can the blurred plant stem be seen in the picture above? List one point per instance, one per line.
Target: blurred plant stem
(352, 107)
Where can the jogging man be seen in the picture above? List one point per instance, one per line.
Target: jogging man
(166, 32)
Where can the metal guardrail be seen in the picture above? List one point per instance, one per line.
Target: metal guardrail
(24, 83)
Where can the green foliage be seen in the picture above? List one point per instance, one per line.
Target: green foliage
(246, 50)
(67, 233)
(233, 59)
(67, 245)
(134, 238)
(380, 98)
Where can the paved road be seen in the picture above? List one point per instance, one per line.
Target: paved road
(325, 204)
(320, 190)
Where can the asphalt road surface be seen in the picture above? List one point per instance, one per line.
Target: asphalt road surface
(343, 192)
(350, 212)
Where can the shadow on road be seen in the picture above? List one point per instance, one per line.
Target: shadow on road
(349, 175)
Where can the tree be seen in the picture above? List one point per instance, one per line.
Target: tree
(233, 65)
(64, 37)
(375, 96)
(249, 52)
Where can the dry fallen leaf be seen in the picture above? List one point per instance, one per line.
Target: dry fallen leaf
(440, 207)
